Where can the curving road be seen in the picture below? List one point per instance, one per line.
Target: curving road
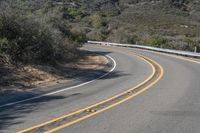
(168, 103)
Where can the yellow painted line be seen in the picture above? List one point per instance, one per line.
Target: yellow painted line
(102, 102)
(113, 105)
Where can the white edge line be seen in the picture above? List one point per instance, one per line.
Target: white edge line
(65, 89)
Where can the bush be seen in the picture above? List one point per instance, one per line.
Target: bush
(79, 38)
(156, 41)
(97, 21)
(30, 38)
(124, 35)
(191, 44)
(3, 44)
(72, 12)
(26, 40)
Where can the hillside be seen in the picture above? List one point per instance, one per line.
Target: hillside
(163, 23)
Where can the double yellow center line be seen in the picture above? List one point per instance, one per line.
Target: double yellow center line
(156, 75)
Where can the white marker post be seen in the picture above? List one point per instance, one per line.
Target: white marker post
(195, 49)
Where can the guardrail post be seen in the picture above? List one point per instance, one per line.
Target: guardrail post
(195, 49)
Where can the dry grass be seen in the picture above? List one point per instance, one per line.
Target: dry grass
(90, 62)
(32, 76)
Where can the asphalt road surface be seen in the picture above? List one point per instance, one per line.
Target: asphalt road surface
(163, 97)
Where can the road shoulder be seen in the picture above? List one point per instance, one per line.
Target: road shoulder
(88, 68)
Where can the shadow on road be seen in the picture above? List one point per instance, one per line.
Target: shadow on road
(13, 115)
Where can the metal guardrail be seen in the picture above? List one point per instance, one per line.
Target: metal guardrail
(176, 52)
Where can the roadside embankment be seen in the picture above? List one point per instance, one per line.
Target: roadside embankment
(29, 76)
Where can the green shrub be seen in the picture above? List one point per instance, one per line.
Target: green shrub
(26, 40)
(3, 44)
(97, 21)
(72, 12)
(31, 38)
(156, 41)
(96, 35)
(191, 44)
(79, 38)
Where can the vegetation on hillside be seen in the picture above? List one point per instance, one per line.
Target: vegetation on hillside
(52, 30)
(36, 32)
(138, 21)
